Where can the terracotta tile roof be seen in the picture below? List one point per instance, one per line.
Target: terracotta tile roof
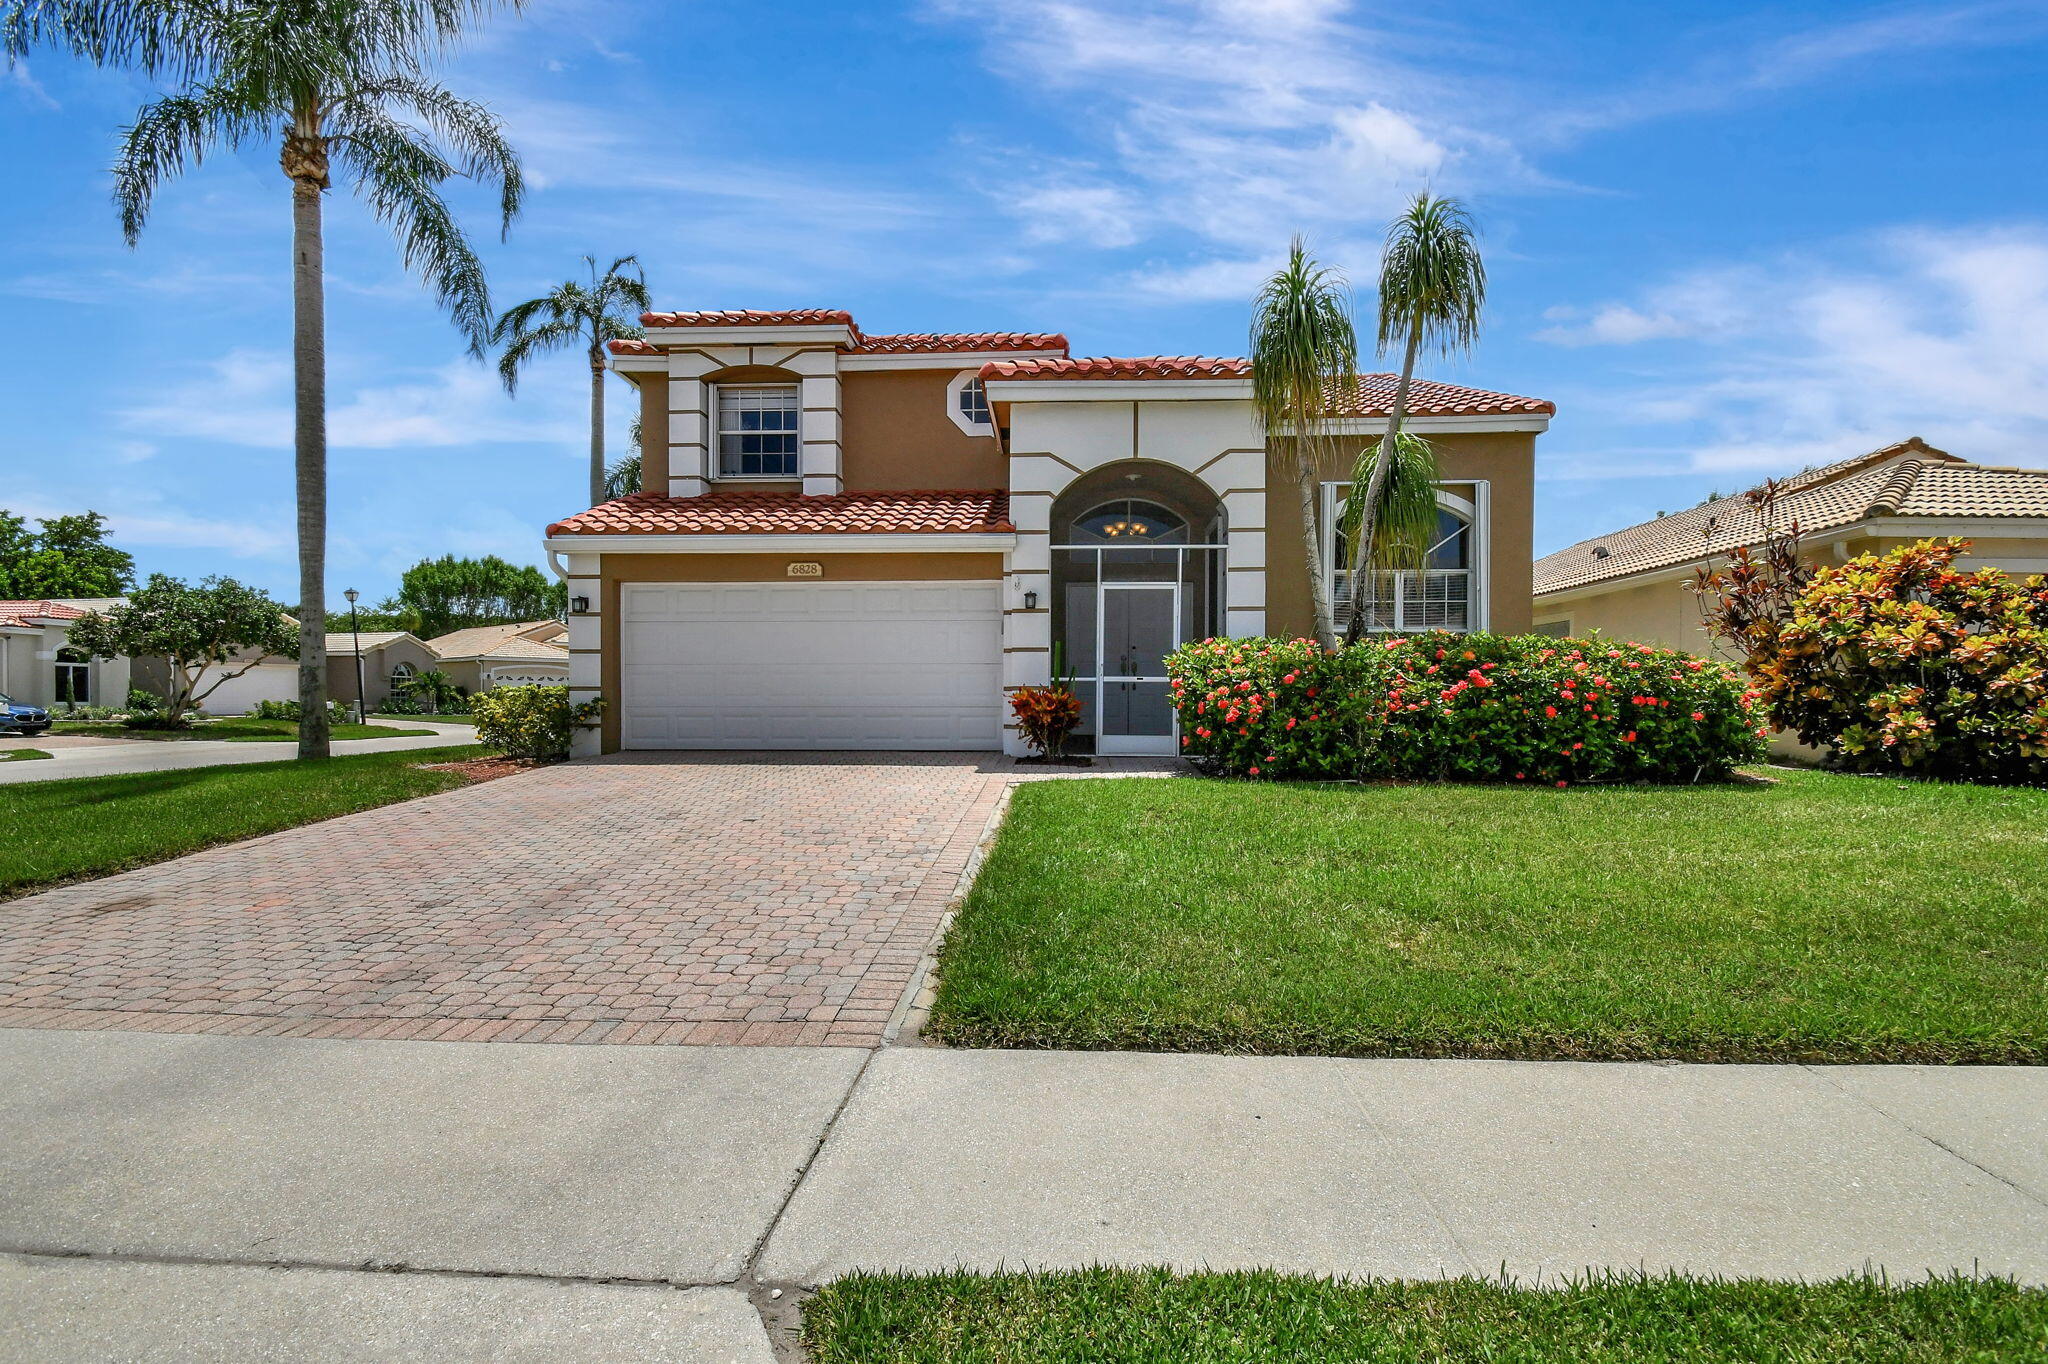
(1372, 395)
(948, 512)
(632, 348)
(1367, 395)
(1911, 478)
(1121, 367)
(941, 342)
(22, 612)
(752, 317)
(342, 642)
(495, 641)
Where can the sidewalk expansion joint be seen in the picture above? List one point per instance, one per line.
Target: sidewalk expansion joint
(353, 1267)
(1820, 1073)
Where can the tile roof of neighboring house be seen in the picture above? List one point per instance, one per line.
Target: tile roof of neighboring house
(42, 608)
(344, 642)
(1367, 395)
(631, 347)
(950, 512)
(923, 342)
(1911, 478)
(495, 641)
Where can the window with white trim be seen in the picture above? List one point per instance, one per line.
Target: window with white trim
(74, 677)
(967, 404)
(757, 431)
(402, 675)
(1446, 593)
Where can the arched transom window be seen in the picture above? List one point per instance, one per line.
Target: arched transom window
(1130, 521)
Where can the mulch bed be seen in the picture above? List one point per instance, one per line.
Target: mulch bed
(484, 769)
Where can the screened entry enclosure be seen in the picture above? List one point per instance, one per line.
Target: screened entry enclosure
(1133, 578)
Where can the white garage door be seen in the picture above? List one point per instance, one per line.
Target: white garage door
(239, 695)
(821, 665)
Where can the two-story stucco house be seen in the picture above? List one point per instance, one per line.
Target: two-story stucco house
(856, 541)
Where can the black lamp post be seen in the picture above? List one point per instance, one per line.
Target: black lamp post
(362, 710)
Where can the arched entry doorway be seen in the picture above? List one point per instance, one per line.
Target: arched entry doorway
(1137, 570)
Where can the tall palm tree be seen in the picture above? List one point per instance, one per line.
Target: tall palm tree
(336, 82)
(1432, 290)
(573, 313)
(1303, 347)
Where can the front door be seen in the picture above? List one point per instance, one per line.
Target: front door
(1138, 632)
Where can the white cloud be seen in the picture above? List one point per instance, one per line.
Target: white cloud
(244, 398)
(1940, 333)
(1100, 215)
(16, 74)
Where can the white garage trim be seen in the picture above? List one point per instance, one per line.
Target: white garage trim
(888, 665)
(239, 695)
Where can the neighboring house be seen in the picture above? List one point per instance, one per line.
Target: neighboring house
(534, 652)
(39, 668)
(1632, 583)
(390, 660)
(855, 541)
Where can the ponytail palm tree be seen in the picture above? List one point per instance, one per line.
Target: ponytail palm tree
(1304, 348)
(573, 313)
(339, 84)
(1432, 289)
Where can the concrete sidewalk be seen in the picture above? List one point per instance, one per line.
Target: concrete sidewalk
(748, 1169)
(108, 757)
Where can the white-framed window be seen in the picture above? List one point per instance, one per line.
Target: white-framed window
(967, 404)
(74, 678)
(402, 675)
(1447, 593)
(757, 431)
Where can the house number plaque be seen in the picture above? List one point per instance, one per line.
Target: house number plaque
(806, 569)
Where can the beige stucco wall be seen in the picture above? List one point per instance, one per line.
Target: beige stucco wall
(653, 431)
(1505, 459)
(377, 666)
(895, 433)
(32, 679)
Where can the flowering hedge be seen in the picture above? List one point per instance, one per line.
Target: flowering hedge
(1463, 708)
(1898, 661)
(529, 721)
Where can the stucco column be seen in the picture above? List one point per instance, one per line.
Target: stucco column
(689, 426)
(586, 633)
(818, 421)
(1027, 630)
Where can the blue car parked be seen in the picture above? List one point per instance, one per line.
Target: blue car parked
(22, 719)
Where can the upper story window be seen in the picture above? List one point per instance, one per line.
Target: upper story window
(757, 431)
(967, 404)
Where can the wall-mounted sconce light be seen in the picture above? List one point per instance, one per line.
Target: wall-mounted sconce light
(580, 605)
(1030, 601)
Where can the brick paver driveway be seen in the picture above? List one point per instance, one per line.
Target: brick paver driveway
(770, 899)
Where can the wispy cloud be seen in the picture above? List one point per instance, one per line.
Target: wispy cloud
(244, 399)
(15, 76)
(1812, 356)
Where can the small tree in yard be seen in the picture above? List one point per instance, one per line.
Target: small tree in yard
(432, 686)
(192, 629)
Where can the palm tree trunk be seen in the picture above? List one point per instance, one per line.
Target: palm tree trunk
(1368, 515)
(596, 428)
(309, 394)
(1308, 482)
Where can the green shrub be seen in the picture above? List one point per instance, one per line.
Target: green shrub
(142, 702)
(1461, 708)
(529, 722)
(338, 713)
(75, 711)
(1899, 662)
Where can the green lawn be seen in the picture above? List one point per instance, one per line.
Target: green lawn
(1113, 1316)
(1825, 918)
(234, 727)
(21, 755)
(92, 826)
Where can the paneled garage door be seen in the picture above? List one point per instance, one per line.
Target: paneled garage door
(818, 665)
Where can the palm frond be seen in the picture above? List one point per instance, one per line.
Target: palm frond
(622, 478)
(531, 341)
(469, 129)
(1302, 342)
(170, 133)
(1432, 280)
(177, 40)
(1404, 522)
(400, 176)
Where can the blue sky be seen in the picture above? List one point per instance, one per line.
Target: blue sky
(1726, 239)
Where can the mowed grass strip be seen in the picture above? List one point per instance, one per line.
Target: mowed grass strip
(67, 830)
(234, 728)
(1119, 1316)
(1823, 918)
(21, 755)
